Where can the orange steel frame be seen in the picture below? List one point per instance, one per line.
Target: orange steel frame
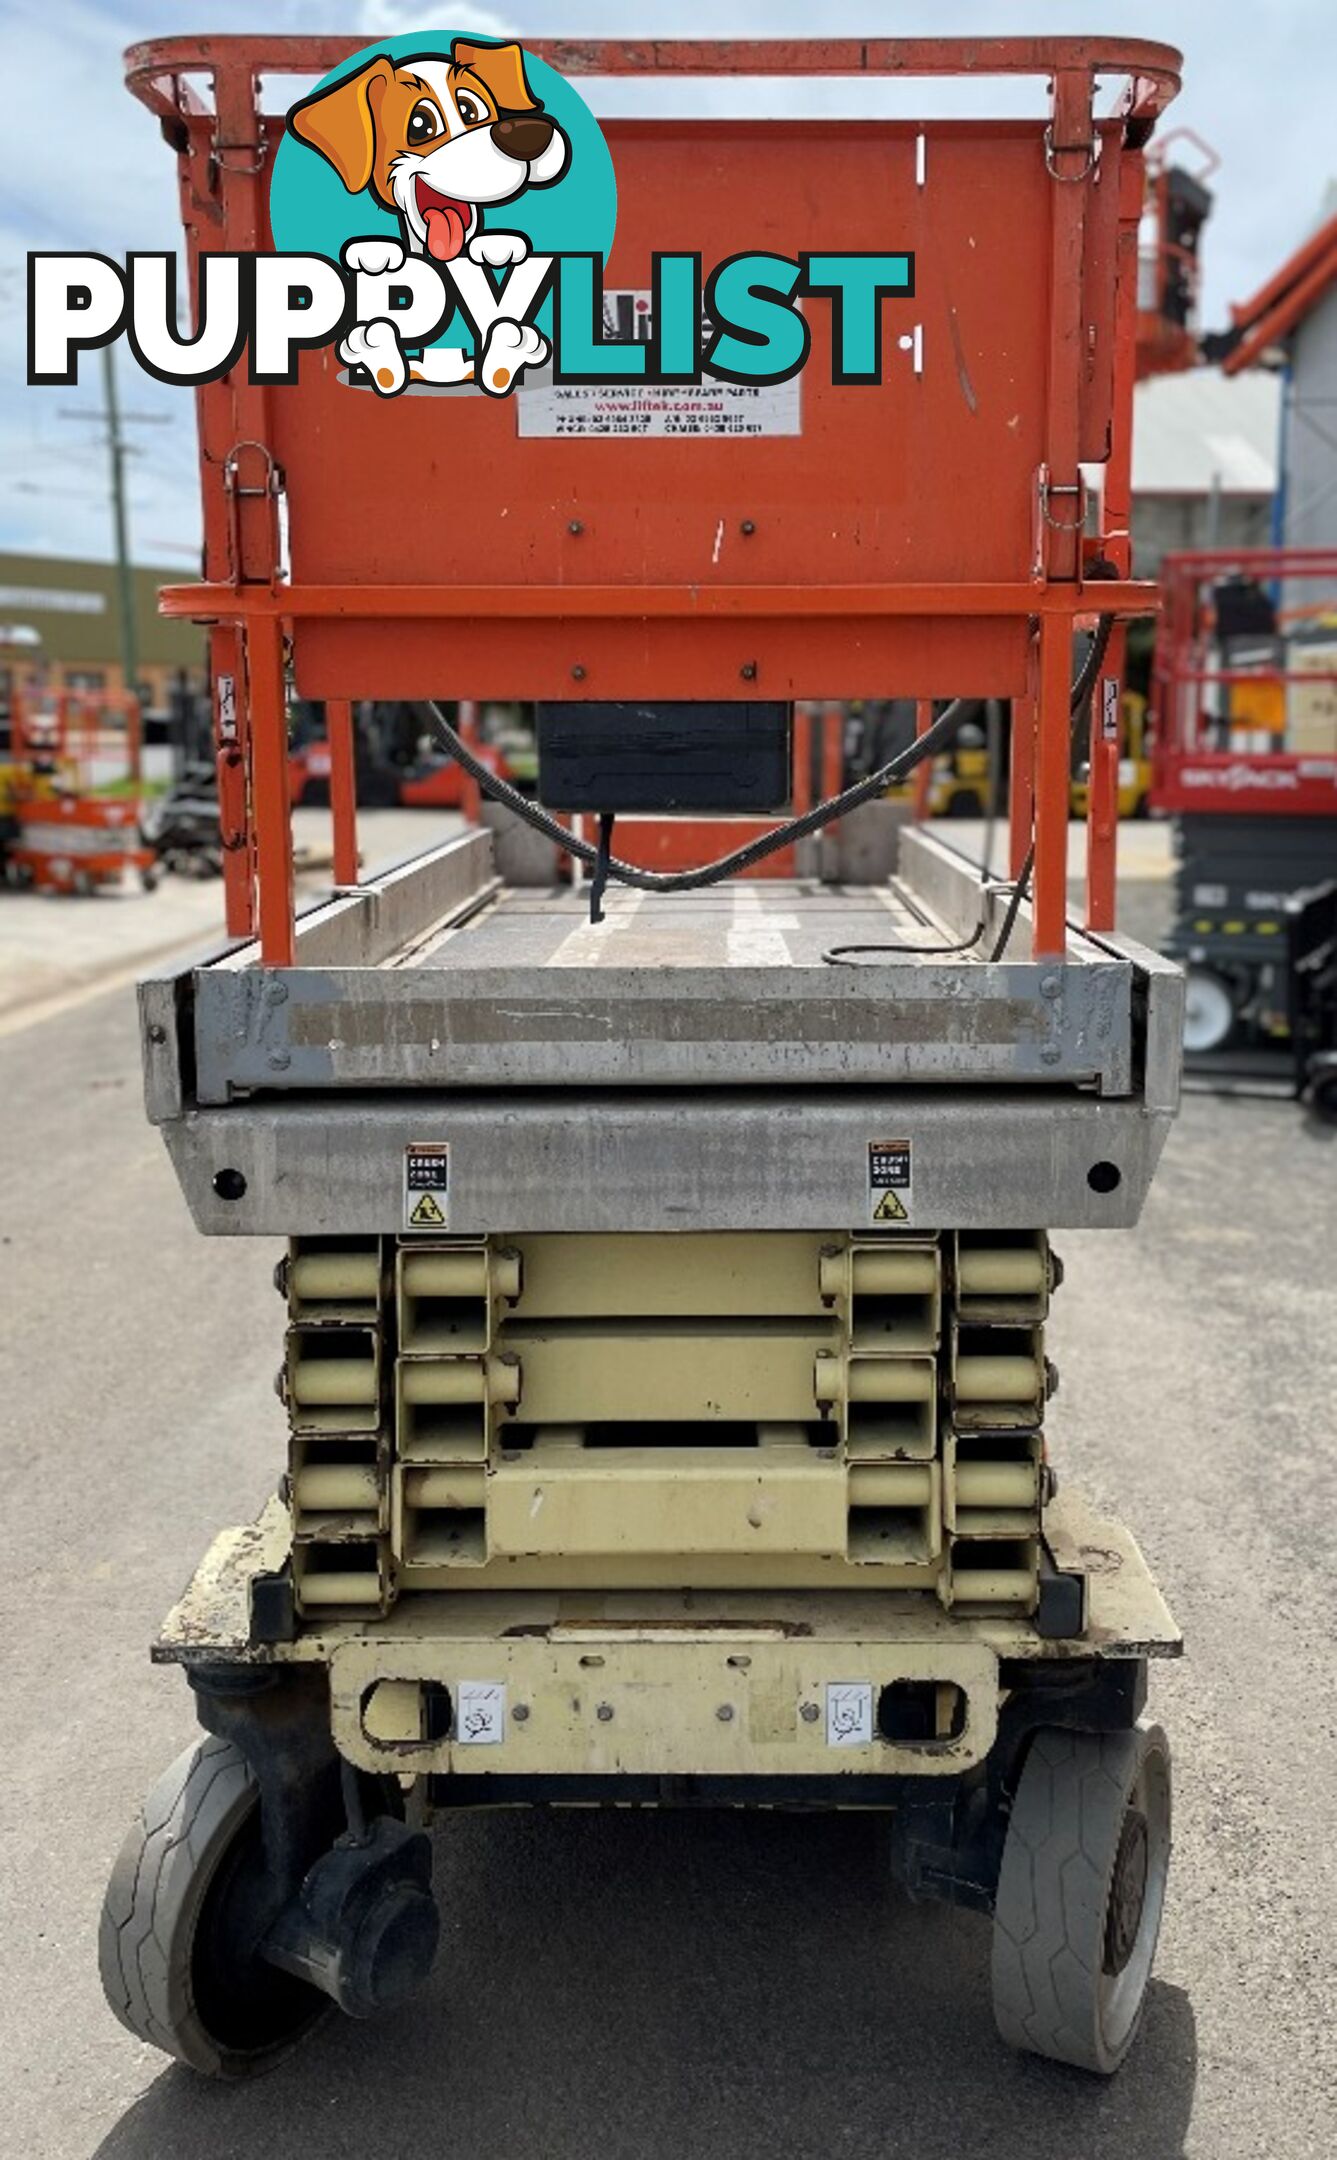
(1019, 625)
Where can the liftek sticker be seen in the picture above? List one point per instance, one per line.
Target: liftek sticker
(710, 409)
(480, 1713)
(849, 1713)
(426, 1185)
(888, 1181)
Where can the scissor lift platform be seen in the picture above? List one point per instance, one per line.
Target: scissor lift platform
(663, 1360)
(693, 1056)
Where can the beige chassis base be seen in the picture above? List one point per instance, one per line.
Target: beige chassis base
(664, 1684)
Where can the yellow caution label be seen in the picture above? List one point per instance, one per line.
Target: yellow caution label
(426, 1185)
(890, 1208)
(888, 1181)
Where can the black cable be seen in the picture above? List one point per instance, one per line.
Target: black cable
(844, 955)
(1015, 899)
(934, 739)
(624, 873)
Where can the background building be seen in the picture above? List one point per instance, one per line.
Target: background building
(1291, 323)
(59, 630)
(1204, 462)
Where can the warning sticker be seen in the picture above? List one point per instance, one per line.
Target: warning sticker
(849, 1712)
(1109, 708)
(426, 1185)
(480, 1713)
(888, 1181)
(709, 408)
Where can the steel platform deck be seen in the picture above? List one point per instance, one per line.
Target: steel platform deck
(691, 1063)
(780, 923)
(440, 978)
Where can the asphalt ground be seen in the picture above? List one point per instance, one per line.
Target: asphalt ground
(640, 1985)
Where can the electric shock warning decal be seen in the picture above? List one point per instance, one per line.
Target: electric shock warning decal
(888, 1181)
(426, 1185)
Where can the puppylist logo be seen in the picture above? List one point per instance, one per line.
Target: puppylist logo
(442, 208)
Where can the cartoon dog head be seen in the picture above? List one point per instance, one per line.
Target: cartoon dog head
(436, 138)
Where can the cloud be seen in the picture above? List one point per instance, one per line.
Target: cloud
(392, 18)
(85, 167)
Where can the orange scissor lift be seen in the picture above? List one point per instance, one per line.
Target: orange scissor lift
(664, 1369)
(66, 838)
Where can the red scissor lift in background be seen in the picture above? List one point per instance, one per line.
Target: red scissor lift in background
(1244, 716)
(65, 837)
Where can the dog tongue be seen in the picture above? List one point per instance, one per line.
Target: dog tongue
(445, 231)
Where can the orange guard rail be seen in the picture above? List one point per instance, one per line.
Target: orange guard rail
(924, 537)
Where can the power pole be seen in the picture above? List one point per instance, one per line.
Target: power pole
(119, 447)
(125, 578)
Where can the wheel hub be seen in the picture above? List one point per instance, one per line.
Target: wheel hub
(1128, 1890)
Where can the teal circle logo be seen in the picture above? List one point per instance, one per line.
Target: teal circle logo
(437, 140)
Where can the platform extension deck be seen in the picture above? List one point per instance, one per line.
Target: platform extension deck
(497, 988)
(693, 1062)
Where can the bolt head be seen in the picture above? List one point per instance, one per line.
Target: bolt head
(809, 1713)
(604, 1713)
(747, 528)
(575, 528)
(748, 671)
(521, 1713)
(725, 1713)
(577, 673)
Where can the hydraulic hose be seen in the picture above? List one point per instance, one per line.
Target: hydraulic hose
(927, 745)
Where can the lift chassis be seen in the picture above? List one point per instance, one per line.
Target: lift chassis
(663, 1341)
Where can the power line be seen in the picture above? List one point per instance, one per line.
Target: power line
(118, 449)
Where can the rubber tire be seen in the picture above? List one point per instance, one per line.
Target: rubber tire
(157, 1892)
(1209, 980)
(1323, 1096)
(1051, 1996)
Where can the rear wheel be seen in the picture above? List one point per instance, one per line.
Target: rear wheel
(177, 1948)
(1080, 1894)
(1209, 1012)
(1323, 1094)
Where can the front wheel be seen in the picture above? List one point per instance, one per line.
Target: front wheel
(179, 1962)
(1209, 1012)
(1080, 1894)
(1323, 1092)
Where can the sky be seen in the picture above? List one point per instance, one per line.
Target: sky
(84, 168)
